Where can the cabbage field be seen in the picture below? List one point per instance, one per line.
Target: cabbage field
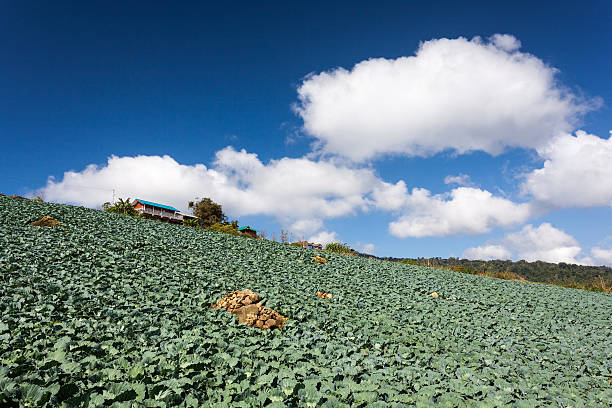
(108, 310)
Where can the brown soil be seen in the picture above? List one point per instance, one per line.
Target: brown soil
(324, 295)
(244, 304)
(319, 259)
(46, 221)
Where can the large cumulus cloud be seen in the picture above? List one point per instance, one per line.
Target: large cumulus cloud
(454, 94)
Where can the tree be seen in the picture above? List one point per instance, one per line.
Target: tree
(284, 236)
(121, 207)
(207, 211)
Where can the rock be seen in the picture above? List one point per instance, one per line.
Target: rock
(246, 311)
(270, 323)
(319, 259)
(435, 295)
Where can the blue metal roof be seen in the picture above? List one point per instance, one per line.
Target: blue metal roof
(156, 205)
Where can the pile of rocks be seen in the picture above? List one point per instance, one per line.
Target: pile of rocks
(324, 295)
(319, 259)
(244, 304)
(46, 221)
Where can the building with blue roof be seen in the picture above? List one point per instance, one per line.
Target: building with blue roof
(149, 209)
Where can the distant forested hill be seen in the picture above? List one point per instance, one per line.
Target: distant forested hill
(597, 278)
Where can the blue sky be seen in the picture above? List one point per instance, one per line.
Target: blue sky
(349, 107)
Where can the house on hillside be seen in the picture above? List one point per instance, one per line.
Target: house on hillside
(248, 231)
(161, 212)
(309, 245)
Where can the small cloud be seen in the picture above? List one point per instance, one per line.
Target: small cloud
(602, 256)
(506, 42)
(460, 180)
(324, 238)
(369, 249)
(542, 243)
(306, 226)
(487, 252)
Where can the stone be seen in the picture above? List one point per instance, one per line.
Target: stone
(244, 312)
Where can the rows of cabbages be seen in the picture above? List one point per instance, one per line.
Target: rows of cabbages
(111, 310)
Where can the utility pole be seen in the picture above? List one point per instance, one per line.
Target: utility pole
(113, 196)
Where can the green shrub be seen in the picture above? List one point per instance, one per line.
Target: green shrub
(191, 223)
(224, 228)
(228, 228)
(339, 248)
(121, 207)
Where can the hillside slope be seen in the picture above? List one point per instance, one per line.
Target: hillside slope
(111, 310)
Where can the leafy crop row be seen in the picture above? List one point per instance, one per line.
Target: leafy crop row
(110, 310)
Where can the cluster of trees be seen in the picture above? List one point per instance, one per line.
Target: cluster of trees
(208, 212)
(577, 276)
(340, 248)
(121, 207)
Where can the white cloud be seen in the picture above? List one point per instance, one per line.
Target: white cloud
(299, 193)
(288, 189)
(602, 256)
(460, 180)
(455, 94)
(506, 42)
(487, 252)
(464, 210)
(306, 226)
(369, 249)
(577, 172)
(543, 243)
(389, 196)
(324, 238)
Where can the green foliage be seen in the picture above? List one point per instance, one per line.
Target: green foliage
(124, 207)
(339, 248)
(114, 311)
(595, 278)
(207, 211)
(191, 223)
(228, 228)
(225, 228)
